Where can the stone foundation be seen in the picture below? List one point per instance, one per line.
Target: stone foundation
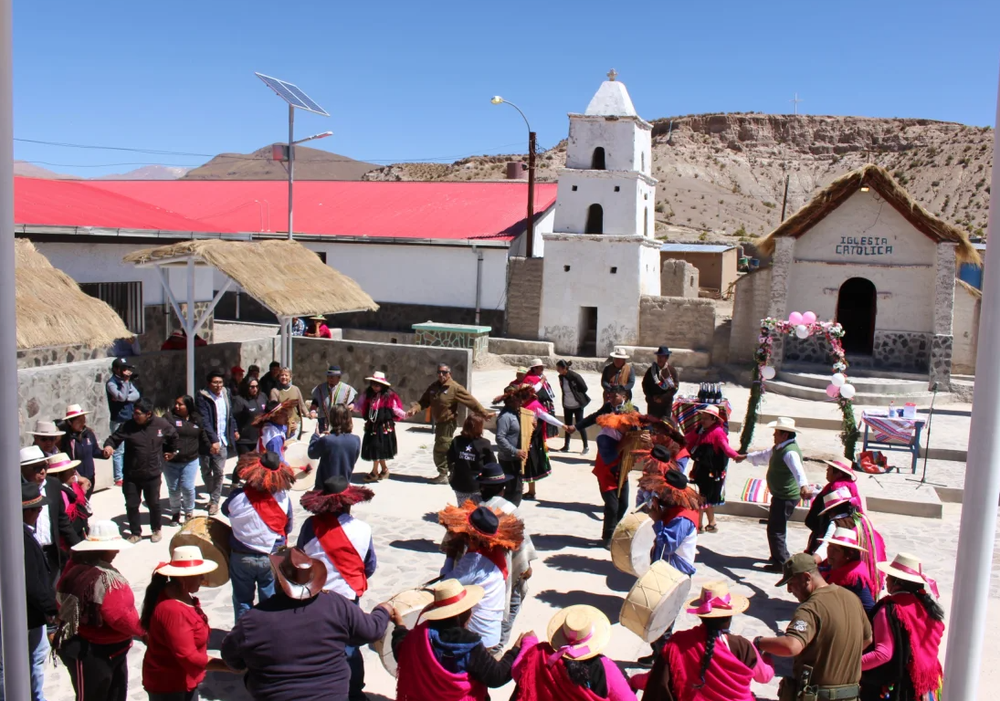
(940, 363)
(814, 349)
(904, 351)
(475, 338)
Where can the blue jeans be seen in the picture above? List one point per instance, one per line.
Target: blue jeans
(249, 573)
(516, 594)
(118, 458)
(213, 469)
(180, 485)
(38, 646)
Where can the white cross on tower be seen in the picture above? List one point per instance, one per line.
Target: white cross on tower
(612, 74)
(795, 102)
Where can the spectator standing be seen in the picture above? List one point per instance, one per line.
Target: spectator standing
(509, 451)
(46, 436)
(443, 397)
(216, 410)
(285, 391)
(337, 451)
(192, 441)
(659, 385)
(80, 443)
(236, 375)
(39, 591)
(327, 395)
(53, 526)
(247, 406)
(270, 380)
(574, 399)
(74, 497)
(122, 395)
(618, 373)
(148, 439)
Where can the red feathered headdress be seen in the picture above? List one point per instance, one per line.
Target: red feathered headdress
(666, 493)
(265, 473)
(459, 522)
(284, 407)
(620, 422)
(335, 495)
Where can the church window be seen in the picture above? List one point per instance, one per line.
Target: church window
(574, 188)
(597, 163)
(618, 188)
(595, 220)
(614, 270)
(565, 268)
(645, 222)
(642, 159)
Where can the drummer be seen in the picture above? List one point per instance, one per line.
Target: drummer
(344, 545)
(260, 514)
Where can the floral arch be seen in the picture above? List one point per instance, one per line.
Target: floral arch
(802, 326)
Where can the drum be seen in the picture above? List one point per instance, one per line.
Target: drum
(654, 601)
(297, 457)
(410, 604)
(632, 543)
(212, 537)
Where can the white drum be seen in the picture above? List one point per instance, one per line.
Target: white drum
(632, 543)
(655, 601)
(297, 456)
(410, 604)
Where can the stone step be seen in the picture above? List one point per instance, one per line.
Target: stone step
(864, 385)
(798, 391)
(855, 372)
(640, 357)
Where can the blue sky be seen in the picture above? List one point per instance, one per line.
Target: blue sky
(412, 80)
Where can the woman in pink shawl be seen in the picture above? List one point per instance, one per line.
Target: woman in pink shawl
(845, 567)
(839, 511)
(711, 452)
(570, 667)
(707, 663)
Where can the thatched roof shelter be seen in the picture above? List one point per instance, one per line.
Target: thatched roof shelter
(877, 178)
(52, 310)
(284, 276)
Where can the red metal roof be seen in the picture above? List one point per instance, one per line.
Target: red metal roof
(413, 210)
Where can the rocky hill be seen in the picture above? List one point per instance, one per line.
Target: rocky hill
(310, 164)
(722, 176)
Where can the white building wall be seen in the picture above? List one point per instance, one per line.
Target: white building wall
(622, 216)
(626, 143)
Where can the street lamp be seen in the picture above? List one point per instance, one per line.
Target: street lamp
(529, 248)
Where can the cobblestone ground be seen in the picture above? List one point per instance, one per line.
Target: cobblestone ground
(565, 523)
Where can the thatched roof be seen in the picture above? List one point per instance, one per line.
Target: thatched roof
(52, 310)
(284, 276)
(877, 178)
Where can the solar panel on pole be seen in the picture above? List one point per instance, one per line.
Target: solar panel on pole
(291, 94)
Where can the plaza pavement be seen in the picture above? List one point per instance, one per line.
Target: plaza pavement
(565, 524)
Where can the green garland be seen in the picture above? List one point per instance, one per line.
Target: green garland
(753, 409)
(849, 429)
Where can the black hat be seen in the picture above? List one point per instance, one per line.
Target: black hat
(663, 350)
(270, 460)
(676, 479)
(31, 497)
(335, 485)
(121, 364)
(334, 370)
(660, 453)
(484, 520)
(492, 473)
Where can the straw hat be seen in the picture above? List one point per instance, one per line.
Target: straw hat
(379, 376)
(521, 371)
(845, 538)
(844, 467)
(784, 424)
(838, 496)
(60, 462)
(103, 535)
(904, 566)
(32, 454)
(300, 576)
(619, 352)
(535, 363)
(711, 410)
(451, 598)
(579, 632)
(317, 317)
(186, 561)
(47, 428)
(74, 410)
(715, 601)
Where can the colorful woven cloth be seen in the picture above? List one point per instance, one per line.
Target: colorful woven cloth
(755, 491)
(894, 430)
(684, 413)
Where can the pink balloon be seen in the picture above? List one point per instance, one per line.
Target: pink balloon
(808, 318)
(795, 319)
(832, 391)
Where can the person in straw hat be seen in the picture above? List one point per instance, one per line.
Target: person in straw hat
(73, 494)
(826, 636)
(97, 617)
(261, 515)
(46, 436)
(317, 328)
(177, 644)
(80, 443)
(708, 661)
(845, 568)
(344, 545)
(292, 645)
(381, 409)
(618, 373)
(840, 511)
(711, 452)
(443, 658)
(786, 479)
(53, 530)
(903, 663)
(478, 546)
(570, 666)
(840, 476)
(39, 592)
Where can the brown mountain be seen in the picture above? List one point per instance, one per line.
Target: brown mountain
(722, 176)
(30, 170)
(310, 164)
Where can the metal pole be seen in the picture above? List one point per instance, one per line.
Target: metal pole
(784, 200)
(970, 598)
(529, 249)
(479, 280)
(188, 323)
(12, 595)
(291, 165)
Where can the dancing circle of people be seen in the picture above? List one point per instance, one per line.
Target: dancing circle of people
(866, 627)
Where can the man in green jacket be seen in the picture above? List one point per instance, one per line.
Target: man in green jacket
(786, 480)
(443, 397)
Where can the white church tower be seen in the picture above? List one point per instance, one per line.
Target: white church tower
(602, 255)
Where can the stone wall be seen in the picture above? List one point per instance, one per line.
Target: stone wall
(968, 304)
(56, 355)
(524, 297)
(678, 278)
(410, 369)
(161, 322)
(750, 305)
(904, 351)
(675, 321)
(813, 349)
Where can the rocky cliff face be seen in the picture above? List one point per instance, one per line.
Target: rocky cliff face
(722, 176)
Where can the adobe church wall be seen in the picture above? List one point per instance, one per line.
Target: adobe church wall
(676, 321)
(750, 303)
